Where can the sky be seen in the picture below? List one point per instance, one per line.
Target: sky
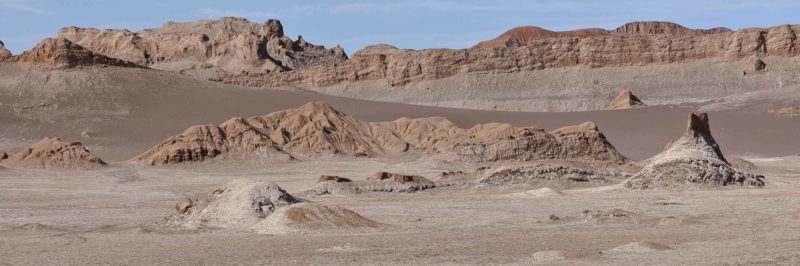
(414, 24)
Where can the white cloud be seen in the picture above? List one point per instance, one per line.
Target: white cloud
(23, 5)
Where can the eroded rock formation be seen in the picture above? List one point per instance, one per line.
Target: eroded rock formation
(52, 153)
(62, 53)
(633, 44)
(625, 100)
(4, 53)
(693, 161)
(319, 129)
(233, 45)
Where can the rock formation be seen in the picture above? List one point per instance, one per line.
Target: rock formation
(52, 153)
(4, 53)
(380, 182)
(62, 53)
(233, 45)
(259, 207)
(633, 44)
(625, 100)
(318, 129)
(693, 161)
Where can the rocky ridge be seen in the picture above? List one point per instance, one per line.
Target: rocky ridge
(632, 45)
(52, 153)
(62, 53)
(693, 161)
(4, 53)
(318, 129)
(228, 45)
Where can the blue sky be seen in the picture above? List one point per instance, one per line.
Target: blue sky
(407, 24)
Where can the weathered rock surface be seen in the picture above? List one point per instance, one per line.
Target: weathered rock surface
(259, 207)
(632, 45)
(62, 53)
(4, 53)
(380, 182)
(693, 161)
(319, 129)
(625, 100)
(787, 111)
(52, 153)
(233, 45)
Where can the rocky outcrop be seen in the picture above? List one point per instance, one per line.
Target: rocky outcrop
(632, 46)
(522, 36)
(62, 53)
(318, 129)
(232, 45)
(663, 27)
(52, 153)
(261, 208)
(380, 182)
(625, 100)
(787, 111)
(4, 53)
(693, 161)
(544, 174)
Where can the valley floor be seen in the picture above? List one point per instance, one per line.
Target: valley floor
(102, 217)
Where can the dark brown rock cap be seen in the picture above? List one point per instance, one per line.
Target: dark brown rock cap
(698, 125)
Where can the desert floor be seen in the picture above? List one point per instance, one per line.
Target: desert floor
(102, 217)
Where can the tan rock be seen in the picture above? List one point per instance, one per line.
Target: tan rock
(625, 100)
(316, 129)
(59, 52)
(634, 44)
(787, 111)
(4, 53)
(233, 45)
(52, 153)
(693, 161)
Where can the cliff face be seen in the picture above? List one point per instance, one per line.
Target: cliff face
(59, 52)
(4, 53)
(230, 44)
(628, 46)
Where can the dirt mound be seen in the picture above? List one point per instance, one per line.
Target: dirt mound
(318, 129)
(544, 192)
(379, 49)
(261, 207)
(233, 45)
(62, 53)
(695, 160)
(4, 53)
(52, 153)
(521, 36)
(380, 182)
(625, 100)
(310, 217)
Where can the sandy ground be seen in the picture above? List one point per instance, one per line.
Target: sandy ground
(98, 217)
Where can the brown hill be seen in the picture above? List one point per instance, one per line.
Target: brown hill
(59, 52)
(319, 129)
(233, 45)
(625, 100)
(54, 153)
(525, 35)
(663, 27)
(693, 161)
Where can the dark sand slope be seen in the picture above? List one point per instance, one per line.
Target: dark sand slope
(120, 112)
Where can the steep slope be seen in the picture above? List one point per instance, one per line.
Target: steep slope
(625, 100)
(693, 161)
(232, 45)
(53, 153)
(4, 53)
(319, 129)
(62, 53)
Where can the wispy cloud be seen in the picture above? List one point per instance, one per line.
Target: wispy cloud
(23, 5)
